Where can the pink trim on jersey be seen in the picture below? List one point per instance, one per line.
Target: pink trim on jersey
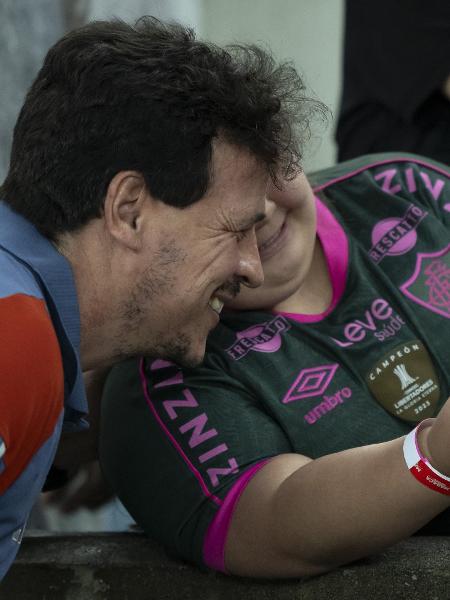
(191, 467)
(377, 164)
(214, 543)
(335, 246)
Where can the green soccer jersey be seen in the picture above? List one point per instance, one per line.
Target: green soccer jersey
(179, 446)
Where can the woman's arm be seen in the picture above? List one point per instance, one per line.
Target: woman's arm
(302, 517)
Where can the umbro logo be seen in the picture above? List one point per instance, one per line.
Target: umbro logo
(310, 383)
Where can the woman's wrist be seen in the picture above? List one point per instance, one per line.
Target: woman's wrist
(419, 465)
(434, 446)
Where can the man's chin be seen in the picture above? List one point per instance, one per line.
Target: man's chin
(189, 363)
(185, 353)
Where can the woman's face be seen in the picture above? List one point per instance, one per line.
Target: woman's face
(286, 239)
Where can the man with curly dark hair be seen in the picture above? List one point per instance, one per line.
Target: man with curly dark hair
(139, 169)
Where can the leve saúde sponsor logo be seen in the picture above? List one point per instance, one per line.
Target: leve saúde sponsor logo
(378, 320)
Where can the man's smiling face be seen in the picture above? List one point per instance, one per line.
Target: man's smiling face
(197, 258)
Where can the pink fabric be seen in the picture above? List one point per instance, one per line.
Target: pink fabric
(177, 446)
(214, 544)
(335, 246)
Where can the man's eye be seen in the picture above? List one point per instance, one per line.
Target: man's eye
(240, 235)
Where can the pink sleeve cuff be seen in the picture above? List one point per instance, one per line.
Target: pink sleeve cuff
(214, 544)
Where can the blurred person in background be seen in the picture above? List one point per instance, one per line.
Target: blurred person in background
(396, 79)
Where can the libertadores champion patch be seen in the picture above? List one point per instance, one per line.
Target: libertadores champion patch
(405, 383)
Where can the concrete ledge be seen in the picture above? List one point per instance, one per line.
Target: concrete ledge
(128, 566)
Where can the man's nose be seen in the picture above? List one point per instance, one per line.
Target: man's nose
(250, 268)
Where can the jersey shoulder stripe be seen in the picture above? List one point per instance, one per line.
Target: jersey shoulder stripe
(32, 388)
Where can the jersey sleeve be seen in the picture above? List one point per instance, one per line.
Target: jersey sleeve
(417, 179)
(178, 447)
(421, 180)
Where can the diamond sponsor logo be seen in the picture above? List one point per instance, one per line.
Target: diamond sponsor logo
(310, 383)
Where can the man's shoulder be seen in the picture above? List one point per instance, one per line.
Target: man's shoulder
(30, 347)
(16, 277)
(24, 317)
(31, 371)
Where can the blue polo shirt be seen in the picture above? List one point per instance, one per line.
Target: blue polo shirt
(41, 384)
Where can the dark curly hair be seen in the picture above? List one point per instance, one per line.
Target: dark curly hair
(148, 97)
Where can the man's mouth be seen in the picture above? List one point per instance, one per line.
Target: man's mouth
(216, 304)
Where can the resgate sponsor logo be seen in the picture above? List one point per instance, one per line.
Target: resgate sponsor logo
(264, 337)
(396, 236)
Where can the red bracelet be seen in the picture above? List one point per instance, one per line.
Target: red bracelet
(419, 465)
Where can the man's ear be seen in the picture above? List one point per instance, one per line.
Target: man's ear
(125, 203)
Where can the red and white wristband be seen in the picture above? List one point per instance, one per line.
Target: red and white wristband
(419, 466)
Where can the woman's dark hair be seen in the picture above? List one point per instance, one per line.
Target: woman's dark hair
(147, 97)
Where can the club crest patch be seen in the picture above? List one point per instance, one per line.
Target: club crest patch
(429, 285)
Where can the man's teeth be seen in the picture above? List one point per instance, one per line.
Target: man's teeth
(216, 305)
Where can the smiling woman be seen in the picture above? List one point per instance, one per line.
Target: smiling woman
(287, 248)
(282, 455)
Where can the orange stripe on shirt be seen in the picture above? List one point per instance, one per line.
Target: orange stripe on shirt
(31, 381)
